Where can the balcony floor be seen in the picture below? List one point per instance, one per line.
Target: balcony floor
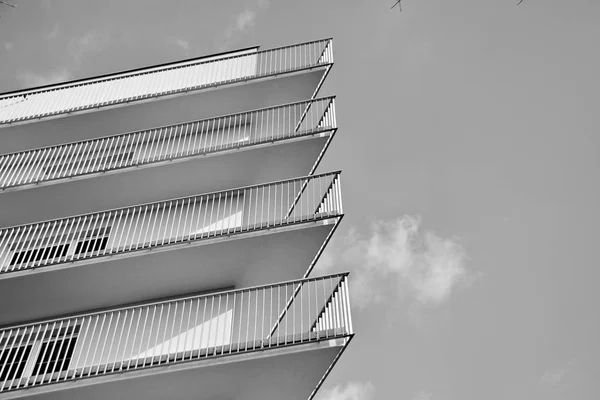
(185, 177)
(242, 260)
(281, 373)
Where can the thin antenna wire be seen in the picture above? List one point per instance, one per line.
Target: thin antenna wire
(7, 4)
(400, 5)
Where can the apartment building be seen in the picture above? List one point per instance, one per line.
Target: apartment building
(159, 226)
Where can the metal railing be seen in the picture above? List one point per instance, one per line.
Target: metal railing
(160, 81)
(182, 330)
(188, 219)
(167, 143)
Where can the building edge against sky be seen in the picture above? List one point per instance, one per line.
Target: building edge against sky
(158, 228)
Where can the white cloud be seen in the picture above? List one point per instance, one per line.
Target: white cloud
(54, 32)
(90, 43)
(554, 377)
(242, 22)
(30, 79)
(422, 395)
(9, 46)
(245, 20)
(351, 391)
(181, 43)
(398, 256)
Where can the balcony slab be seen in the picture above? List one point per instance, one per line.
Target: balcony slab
(163, 110)
(154, 182)
(291, 372)
(240, 260)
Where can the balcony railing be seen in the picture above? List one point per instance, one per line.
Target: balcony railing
(155, 82)
(168, 143)
(170, 222)
(178, 331)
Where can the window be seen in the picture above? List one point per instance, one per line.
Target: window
(13, 361)
(93, 242)
(55, 352)
(38, 353)
(43, 253)
(84, 244)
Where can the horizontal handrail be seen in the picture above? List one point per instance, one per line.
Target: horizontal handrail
(175, 331)
(156, 82)
(169, 222)
(167, 143)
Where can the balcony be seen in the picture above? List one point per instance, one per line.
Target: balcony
(129, 249)
(162, 95)
(194, 157)
(268, 342)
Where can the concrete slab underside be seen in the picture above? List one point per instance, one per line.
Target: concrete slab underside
(279, 161)
(243, 262)
(163, 111)
(292, 375)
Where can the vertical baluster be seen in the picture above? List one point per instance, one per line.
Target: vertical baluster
(158, 326)
(183, 203)
(205, 300)
(164, 339)
(197, 229)
(131, 354)
(111, 246)
(217, 325)
(67, 343)
(286, 315)
(270, 336)
(204, 219)
(139, 242)
(38, 329)
(278, 313)
(51, 353)
(42, 356)
(116, 357)
(6, 337)
(247, 322)
(166, 224)
(36, 244)
(89, 347)
(160, 208)
(255, 318)
(108, 328)
(18, 249)
(147, 351)
(316, 285)
(173, 333)
(187, 330)
(5, 244)
(188, 231)
(194, 334)
(209, 343)
(14, 361)
(134, 311)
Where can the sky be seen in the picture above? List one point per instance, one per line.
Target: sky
(471, 169)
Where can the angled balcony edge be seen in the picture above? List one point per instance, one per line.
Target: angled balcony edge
(341, 342)
(259, 65)
(262, 231)
(168, 144)
(226, 334)
(147, 226)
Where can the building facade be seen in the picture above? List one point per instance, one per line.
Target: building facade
(159, 226)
